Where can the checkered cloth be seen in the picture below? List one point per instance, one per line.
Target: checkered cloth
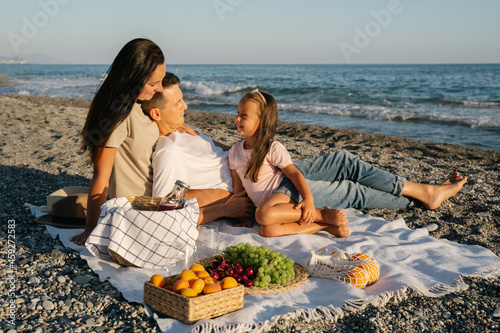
(148, 239)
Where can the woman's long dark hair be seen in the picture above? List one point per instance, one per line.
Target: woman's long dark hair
(268, 115)
(116, 96)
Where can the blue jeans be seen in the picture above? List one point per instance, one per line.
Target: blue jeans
(341, 180)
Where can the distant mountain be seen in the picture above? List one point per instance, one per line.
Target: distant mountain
(14, 60)
(36, 58)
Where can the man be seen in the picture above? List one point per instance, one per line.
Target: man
(196, 160)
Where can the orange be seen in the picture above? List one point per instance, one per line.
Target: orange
(197, 285)
(228, 282)
(197, 268)
(357, 277)
(202, 274)
(372, 269)
(157, 280)
(188, 292)
(180, 284)
(359, 256)
(188, 274)
(212, 288)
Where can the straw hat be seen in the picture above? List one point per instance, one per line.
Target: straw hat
(67, 208)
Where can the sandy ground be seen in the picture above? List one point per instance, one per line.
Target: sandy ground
(39, 153)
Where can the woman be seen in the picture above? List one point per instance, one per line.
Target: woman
(117, 135)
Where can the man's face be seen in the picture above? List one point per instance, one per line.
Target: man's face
(172, 115)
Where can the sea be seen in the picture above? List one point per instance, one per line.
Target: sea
(455, 103)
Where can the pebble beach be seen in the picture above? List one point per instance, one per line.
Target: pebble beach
(56, 291)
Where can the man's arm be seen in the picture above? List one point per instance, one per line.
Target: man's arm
(237, 206)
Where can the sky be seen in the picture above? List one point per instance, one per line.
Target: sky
(256, 31)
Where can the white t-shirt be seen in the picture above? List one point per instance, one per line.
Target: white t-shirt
(195, 160)
(270, 174)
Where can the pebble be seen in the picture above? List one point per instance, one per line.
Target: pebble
(496, 313)
(61, 279)
(82, 279)
(48, 305)
(431, 227)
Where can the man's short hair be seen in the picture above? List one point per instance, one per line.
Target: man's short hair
(158, 100)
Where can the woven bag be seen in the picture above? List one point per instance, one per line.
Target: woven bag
(358, 269)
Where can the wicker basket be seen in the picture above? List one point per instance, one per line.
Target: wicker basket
(144, 203)
(300, 277)
(191, 309)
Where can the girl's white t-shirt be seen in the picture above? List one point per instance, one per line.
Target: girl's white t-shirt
(270, 174)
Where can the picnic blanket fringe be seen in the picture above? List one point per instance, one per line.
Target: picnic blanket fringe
(329, 313)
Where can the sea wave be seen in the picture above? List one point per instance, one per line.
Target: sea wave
(470, 104)
(214, 88)
(381, 113)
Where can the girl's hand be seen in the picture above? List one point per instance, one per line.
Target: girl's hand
(186, 129)
(308, 210)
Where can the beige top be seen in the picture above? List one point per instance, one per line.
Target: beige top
(135, 138)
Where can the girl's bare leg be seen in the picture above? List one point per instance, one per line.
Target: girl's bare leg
(279, 208)
(293, 228)
(432, 196)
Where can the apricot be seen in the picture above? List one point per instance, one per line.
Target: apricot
(180, 284)
(197, 285)
(188, 274)
(188, 292)
(177, 277)
(168, 281)
(197, 268)
(228, 282)
(202, 274)
(212, 288)
(157, 280)
(208, 280)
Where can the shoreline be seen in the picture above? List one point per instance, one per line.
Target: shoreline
(39, 153)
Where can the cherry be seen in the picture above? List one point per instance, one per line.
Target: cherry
(215, 276)
(239, 269)
(238, 278)
(244, 277)
(249, 271)
(237, 263)
(248, 283)
(230, 271)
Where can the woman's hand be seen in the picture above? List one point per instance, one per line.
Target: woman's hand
(308, 210)
(81, 238)
(186, 129)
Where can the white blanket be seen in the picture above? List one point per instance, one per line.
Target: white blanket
(408, 258)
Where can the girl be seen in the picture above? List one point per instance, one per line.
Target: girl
(258, 165)
(117, 135)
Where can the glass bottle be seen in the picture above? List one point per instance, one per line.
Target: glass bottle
(175, 198)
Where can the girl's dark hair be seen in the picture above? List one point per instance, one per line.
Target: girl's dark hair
(268, 115)
(116, 96)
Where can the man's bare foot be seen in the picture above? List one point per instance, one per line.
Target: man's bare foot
(439, 193)
(342, 231)
(334, 217)
(454, 177)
